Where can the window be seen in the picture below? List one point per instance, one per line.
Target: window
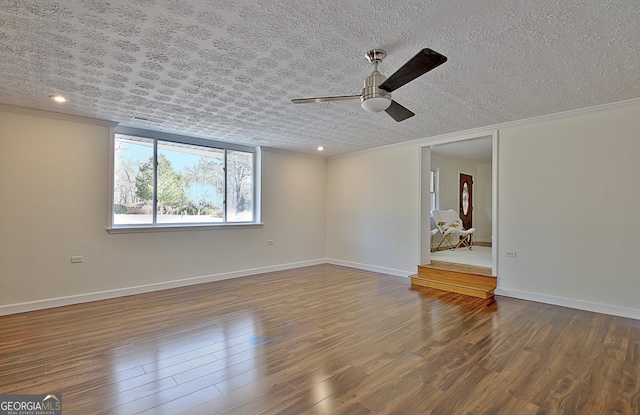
(165, 180)
(433, 188)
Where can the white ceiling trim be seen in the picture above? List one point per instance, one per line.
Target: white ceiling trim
(490, 131)
(56, 115)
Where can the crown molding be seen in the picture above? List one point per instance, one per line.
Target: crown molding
(56, 115)
(571, 113)
(292, 153)
(489, 131)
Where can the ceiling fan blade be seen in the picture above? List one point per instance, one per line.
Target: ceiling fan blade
(419, 65)
(398, 112)
(324, 99)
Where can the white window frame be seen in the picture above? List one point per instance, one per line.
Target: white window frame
(158, 136)
(434, 196)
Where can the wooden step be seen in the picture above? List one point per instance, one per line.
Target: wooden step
(457, 278)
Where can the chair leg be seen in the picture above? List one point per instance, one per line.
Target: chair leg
(465, 241)
(451, 246)
(445, 240)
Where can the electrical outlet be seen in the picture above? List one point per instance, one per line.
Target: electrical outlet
(270, 242)
(511, 254)
(76, 259)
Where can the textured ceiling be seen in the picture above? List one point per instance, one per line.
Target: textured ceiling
(227, 69)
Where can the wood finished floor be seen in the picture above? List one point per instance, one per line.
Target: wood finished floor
(322, 340)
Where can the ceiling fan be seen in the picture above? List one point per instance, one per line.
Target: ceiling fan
(376, 94)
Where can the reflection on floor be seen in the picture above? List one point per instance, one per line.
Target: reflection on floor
(480, 256)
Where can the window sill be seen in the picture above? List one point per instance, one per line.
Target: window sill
(175, 228)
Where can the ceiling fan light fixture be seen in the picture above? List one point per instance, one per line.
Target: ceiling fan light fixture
(376, 104)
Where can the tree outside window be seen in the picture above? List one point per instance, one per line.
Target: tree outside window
(159, 182)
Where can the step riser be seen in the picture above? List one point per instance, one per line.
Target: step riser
(454, 276)
(442, 277)
(452, 288)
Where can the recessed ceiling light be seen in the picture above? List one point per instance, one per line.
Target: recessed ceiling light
(58, 98)
(320, 148)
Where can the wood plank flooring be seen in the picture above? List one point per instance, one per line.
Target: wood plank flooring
(464, 268)
(322, 340)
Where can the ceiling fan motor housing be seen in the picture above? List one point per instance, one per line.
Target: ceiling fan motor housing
(372, 98)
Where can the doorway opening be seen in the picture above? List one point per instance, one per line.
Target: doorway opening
(465, 183)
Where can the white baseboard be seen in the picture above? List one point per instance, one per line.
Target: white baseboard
(372, 268)
(140, 289)
(570, 303)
